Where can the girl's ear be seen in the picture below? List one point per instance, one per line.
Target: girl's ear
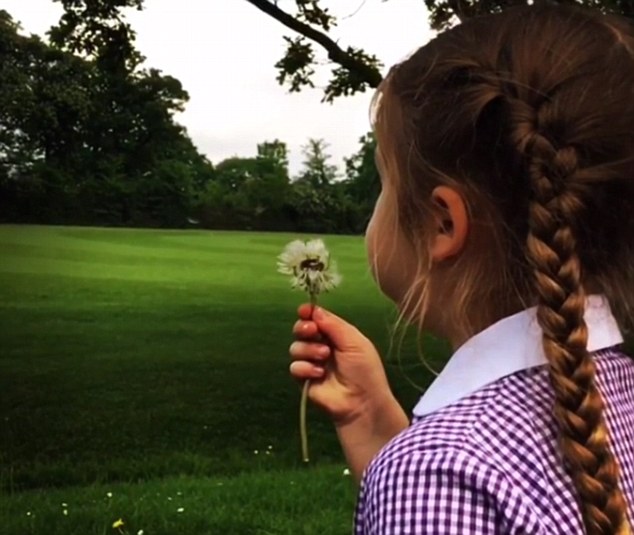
(451, 224)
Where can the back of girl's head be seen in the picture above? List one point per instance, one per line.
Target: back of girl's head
(530, 115)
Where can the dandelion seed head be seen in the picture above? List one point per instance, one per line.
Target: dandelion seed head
(309, 265)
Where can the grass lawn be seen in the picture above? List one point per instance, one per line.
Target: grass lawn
(152, 365)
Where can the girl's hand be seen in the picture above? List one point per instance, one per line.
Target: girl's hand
(345, 369)
(348, 381)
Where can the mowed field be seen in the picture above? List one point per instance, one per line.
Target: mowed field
(144, 377)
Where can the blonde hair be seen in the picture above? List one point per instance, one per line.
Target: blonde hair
(529, 114)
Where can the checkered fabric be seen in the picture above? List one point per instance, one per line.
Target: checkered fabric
(489, 463)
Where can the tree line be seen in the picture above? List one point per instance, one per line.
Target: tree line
(88, 137)
(87, 134)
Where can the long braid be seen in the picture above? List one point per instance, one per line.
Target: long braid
(551, 250)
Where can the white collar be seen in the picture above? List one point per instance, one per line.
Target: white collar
(508, 346)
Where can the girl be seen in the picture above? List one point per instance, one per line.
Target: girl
(505, 224)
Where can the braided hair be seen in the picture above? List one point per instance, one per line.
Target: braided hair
(530, 114)
(551, 248)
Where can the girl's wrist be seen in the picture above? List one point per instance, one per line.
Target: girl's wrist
(378, 416)
(364, 435)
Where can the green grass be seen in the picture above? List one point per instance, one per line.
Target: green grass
(146, 363)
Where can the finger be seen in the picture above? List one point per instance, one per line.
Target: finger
(309, 351)
(302, 370)
(306, 330)
(305, 311)
(337, 330)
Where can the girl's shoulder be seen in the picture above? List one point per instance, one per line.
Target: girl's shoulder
(494, 450)
(509, 418)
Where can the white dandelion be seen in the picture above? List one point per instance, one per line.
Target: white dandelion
(310, 267)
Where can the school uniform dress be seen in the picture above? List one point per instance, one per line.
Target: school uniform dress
(481, 455)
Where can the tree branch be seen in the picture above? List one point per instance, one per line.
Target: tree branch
(460, 9)
(369, 74)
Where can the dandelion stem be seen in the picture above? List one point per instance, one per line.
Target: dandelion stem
(302, 406)
(302, 421)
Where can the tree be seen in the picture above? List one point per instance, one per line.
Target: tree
(316, 203)
(44, 105)
(362, 184)
(249, 193)
(317, 169)
(97, 30)
(355, 70)
(138, 166)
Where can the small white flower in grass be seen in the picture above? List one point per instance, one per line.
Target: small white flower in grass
(28, 513)
(256, 452)
(179, 493)
(269, 447)
(140, 532)
(169, 498)
(109, 494)
(309, 265)
(64, 505)
(346, 471)
(65, 511)
(180, 509)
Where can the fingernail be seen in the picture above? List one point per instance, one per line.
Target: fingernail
(319, 314)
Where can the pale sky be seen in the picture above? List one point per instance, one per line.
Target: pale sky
(224, 51)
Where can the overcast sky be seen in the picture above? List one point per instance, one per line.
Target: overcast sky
(224, 51)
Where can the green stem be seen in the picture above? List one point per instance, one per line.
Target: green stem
(302, 421)
(302, 406)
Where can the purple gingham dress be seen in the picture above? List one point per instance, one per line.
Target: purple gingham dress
(487, 462)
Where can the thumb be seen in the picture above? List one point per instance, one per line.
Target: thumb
(341, 333)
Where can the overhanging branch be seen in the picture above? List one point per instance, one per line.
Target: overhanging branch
(369, 74)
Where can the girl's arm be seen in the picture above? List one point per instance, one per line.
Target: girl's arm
(364, 436)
